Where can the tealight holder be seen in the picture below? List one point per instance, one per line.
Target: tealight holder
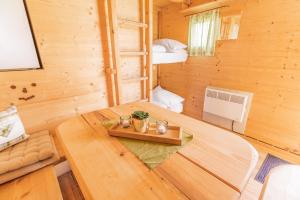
(161, 126)
(125, 121)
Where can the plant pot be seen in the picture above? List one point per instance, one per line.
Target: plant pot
(140, 125)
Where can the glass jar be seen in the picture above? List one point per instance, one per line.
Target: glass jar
(161, 126)
(125, 121)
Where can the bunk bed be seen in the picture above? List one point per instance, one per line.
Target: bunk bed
(160, 57)
(167, 99)
(168, 51)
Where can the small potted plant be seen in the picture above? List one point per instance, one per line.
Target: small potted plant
(140, 121)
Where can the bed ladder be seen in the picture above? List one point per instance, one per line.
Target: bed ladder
(113, 72)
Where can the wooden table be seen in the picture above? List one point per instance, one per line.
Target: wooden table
(215, 164)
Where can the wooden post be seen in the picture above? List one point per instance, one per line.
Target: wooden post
(149, 38)
(109, 68)
(113, 22)
(144, 48)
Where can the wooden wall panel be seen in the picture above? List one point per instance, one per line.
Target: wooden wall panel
(264, 60)
(130, 67)
(173, 23)
(72, 48)
(129, 39)
(128, 9)
(156, 13)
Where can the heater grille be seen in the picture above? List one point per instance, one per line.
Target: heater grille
(225, 104)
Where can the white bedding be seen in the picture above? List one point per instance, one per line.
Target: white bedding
(165, 58)
(178, 108)
(167, 100)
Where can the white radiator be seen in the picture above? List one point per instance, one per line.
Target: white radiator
(225, 104)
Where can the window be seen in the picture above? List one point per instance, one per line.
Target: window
(230, 27)
(17, 46)
(204, 30)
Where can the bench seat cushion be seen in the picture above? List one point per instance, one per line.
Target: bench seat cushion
(30, 155)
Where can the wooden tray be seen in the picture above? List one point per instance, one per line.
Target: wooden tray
(172, 136)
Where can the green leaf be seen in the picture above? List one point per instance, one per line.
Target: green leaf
(140, 115)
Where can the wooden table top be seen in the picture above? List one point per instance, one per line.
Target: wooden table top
(216, 163)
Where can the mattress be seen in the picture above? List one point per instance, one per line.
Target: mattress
(165, 57)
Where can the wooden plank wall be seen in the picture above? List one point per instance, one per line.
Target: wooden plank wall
(156, 10)
(71, 40)
(264, 60)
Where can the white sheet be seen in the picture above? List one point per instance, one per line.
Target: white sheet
(178, 108)
(166, 97)
(158, 48)
(165, 58)
(167, 100)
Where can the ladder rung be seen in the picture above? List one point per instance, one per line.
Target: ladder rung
(133, 53)
(122, 22)
(135, 79)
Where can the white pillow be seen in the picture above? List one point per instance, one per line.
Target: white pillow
(170, 45)
(166, 97)
(159, 48)
(11, 128)
(183, 51)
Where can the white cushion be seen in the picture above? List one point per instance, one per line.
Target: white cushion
(159, 48)
(11, 128)
(166, 97)
(170, 45)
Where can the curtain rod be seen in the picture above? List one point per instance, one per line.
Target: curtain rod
(206, 10)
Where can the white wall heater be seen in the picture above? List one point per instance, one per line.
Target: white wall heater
(227, 108)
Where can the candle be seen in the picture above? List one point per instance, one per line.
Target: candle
(126, 124)
(162, 129)
(125, 121)
(161, 126)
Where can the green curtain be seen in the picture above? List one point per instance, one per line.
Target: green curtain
(204, 30)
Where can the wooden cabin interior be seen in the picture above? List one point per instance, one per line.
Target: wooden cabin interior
(149, 99)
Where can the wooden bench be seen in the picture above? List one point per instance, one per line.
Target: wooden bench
(41, 184)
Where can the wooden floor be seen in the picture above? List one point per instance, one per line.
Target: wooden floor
(69, 187)
(71, 191)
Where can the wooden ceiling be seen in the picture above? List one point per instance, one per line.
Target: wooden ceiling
(161, 3)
